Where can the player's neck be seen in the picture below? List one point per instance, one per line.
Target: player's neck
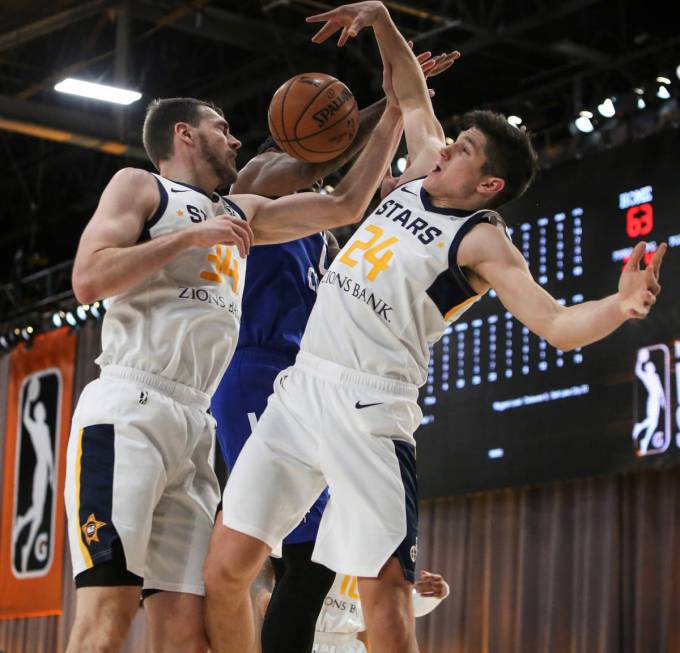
(461, 203)
(188, 173)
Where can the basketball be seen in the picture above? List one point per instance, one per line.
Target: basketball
(313, 117)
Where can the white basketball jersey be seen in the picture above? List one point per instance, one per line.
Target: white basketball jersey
(394, 288)
(182, 322)
(341, 610)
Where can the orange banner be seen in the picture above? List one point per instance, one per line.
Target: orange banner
(39, 400)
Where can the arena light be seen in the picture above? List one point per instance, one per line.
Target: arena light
(607, 108)
(515, 121)
(58, 319)
(401, 164)
(663, 80)
(662, 92)
(677, 71)
(70, 319)
(101, 92)
(584, 122)
(95, 312)
(449, 140)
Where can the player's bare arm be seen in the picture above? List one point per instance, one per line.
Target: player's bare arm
(109, 261)
(302, 214)
(424, 134)
(491, 260)
(274, 174)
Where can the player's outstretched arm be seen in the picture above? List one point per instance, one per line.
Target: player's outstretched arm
(302, 214)
(109, 262)
(424, 134)
(491, 257)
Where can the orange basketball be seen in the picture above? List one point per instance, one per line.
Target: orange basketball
(313, 117)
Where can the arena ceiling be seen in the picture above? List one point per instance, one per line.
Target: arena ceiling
(541, 59)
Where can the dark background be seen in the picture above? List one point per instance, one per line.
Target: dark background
(576, 436)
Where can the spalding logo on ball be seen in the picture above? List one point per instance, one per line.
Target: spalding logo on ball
(313, 117)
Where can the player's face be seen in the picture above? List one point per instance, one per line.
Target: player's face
(217, 146)
(458, 170)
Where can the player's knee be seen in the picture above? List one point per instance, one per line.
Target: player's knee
(221, 575)
(103, 630)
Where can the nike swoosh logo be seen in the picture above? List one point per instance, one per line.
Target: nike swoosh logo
(410, 192)
(360, 405)
(179, 190)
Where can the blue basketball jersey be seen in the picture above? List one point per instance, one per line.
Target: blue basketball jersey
(280, 291)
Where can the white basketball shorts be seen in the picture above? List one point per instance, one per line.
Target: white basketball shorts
(337, 643)
(140, 471)
(329, 425)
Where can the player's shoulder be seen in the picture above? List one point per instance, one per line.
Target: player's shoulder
(248, 203)
(133, 187)
(486, 239)
(130, 177)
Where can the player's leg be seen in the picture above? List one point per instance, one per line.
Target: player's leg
(274, 482)
(108, 538)
(107, 599)
(388, 610)
(369, 528)
(298, 595)
(176, 622)
(180, 537)
(232, 565)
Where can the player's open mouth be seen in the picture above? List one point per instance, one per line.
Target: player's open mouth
(437, 169)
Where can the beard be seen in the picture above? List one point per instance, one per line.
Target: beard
(221, 164)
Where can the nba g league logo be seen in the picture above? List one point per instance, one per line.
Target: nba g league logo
(33, 518)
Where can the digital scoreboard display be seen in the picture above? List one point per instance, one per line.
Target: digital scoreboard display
(501, 406)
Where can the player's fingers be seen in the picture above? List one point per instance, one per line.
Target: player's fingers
(649, 298)
(320, 18)
(245, 232)
(325, 32)
(425, 56)
(636, 256)
(658, 258)
(344, 36)
(410, 44)
(652, 283)
(234, 238)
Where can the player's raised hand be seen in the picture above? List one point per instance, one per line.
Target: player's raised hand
(638, 288)
(350, 18)
(432, 585)
(222, 230)
(441, 62)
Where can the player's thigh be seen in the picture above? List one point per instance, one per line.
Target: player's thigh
(372, 513)
(184, 514)
(276, 478)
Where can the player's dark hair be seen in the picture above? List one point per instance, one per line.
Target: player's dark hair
(268, 144)
(509, 154)
(159, 123)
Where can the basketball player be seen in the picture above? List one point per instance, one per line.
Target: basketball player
(141, 494)
(278, 296)
(345, 414)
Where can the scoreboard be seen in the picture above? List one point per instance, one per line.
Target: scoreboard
(501, 406)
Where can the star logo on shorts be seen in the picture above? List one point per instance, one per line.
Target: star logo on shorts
(90, 529)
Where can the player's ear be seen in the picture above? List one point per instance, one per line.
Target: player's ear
(183, 130)
(491, 185)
